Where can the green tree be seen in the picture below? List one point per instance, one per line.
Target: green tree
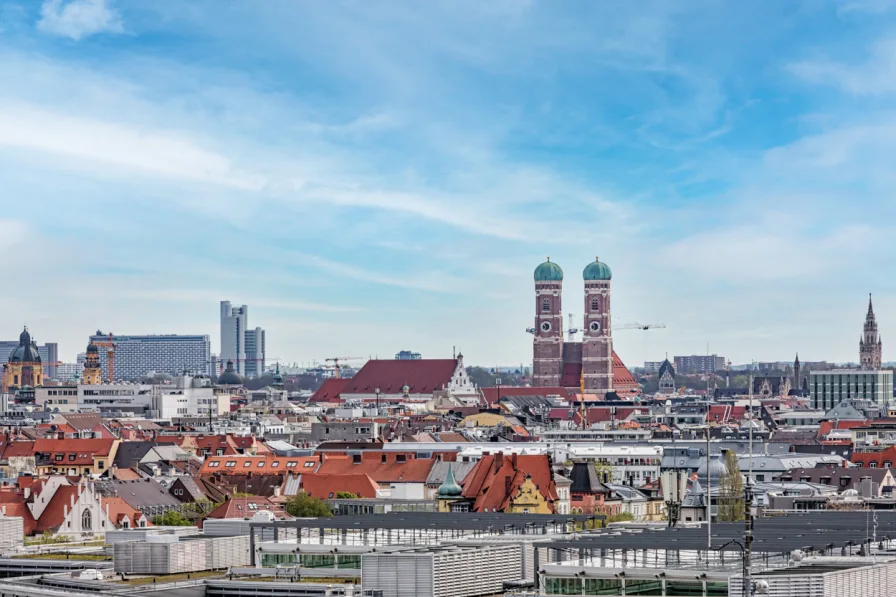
(621, 517)
(346, 495)
(602, 468)
(731, 491)
(172, 518)
(305, 506)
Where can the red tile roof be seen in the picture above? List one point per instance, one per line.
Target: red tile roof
(246, 507)
(326, 486)
(412, 470)
(54, 514)
(879, 458)
(118, 509)
(329, 391)
(259, 465)
(623, 380)
(725, 413)
(94, 447)
(492, 394)
(423, 376)
(825, 427)
(496, 478)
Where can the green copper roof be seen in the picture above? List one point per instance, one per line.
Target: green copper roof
(548, 272)
(597, 271)
(450, 488)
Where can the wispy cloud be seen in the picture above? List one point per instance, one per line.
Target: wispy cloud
(78, 19)
(876, 76)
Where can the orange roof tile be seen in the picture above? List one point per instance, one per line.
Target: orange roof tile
(262, 465)
(326, 486)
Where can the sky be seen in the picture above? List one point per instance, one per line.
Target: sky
(372, 177)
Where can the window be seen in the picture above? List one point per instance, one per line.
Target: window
(872, 464)
(261, 464)
(59, 457)
(101, 464)
(888, 464)
(595, 303)
(71, 457)
(213, 464)
(401, 458)
(356, 459)
(290, 464)
(247, 464)
(309, 464)
(86, 522)
(230, 463)
(546, 305)
(275, 464)
(219, 452)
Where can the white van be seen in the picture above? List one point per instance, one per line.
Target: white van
(91, 574)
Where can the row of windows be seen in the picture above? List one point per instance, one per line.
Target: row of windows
(261, 464)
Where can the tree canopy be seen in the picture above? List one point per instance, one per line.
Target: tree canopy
(731, 491)
(306, 506)
(172, 518)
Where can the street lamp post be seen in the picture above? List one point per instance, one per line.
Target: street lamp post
(377, 402)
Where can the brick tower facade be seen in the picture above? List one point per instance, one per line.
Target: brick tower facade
(597, 349)
(870, 347)
(547, 349)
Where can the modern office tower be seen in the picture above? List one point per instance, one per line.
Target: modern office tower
(244, 346)
(136, 356)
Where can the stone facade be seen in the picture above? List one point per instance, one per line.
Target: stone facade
(870, 347)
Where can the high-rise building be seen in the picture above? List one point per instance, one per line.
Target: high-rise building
(255, 351)
(407, 355)
(136, 356)
(698, 363)
(245, 347)
(870, 347)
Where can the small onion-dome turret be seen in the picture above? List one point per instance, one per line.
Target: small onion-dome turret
(450, 488)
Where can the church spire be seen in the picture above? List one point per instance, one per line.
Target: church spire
(870, 346)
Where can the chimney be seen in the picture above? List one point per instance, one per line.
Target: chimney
(499, 461)
(513, 460)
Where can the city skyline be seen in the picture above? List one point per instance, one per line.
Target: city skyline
(727, 162)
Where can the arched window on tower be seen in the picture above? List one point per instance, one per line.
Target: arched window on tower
(546, 305)
(86, 523)
(595, 303)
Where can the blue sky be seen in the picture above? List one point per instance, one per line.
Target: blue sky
(371, 177)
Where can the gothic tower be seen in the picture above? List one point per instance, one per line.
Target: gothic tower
(796, 373)
(92, 372)
(870, 347)
(597, 344)
(547, 350)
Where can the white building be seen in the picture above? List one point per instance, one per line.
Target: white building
(189, 397)
(128, 397)
(136, 356)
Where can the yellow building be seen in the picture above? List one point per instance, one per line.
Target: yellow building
(23, 368)
(92, 373)
(529, 500)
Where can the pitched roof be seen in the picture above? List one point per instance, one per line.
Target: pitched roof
(383, 467)
(118, 509)
(82, 421)
(259, 465)
(585, 479)
(54, 514)
(261, 485)
(143, 493)
(192, 489)
(422, 376)
(496, 479)
(129, 454)
(330, 390)
(879, 458)
(246, 507)
(326, 486)
(94, 447)
(623, 380)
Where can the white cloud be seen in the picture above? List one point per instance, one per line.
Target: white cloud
(876, 76)
(78, 19)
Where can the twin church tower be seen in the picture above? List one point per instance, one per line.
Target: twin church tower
(559, 363)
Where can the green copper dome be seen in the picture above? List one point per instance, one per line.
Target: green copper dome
(597, 271)
(450, 488)
(548, 272)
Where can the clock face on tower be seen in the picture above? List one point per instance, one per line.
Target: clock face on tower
(595, 326)
(546, 326)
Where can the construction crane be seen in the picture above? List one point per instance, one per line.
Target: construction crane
(641, 326)
(109, 345)
(336, 363)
